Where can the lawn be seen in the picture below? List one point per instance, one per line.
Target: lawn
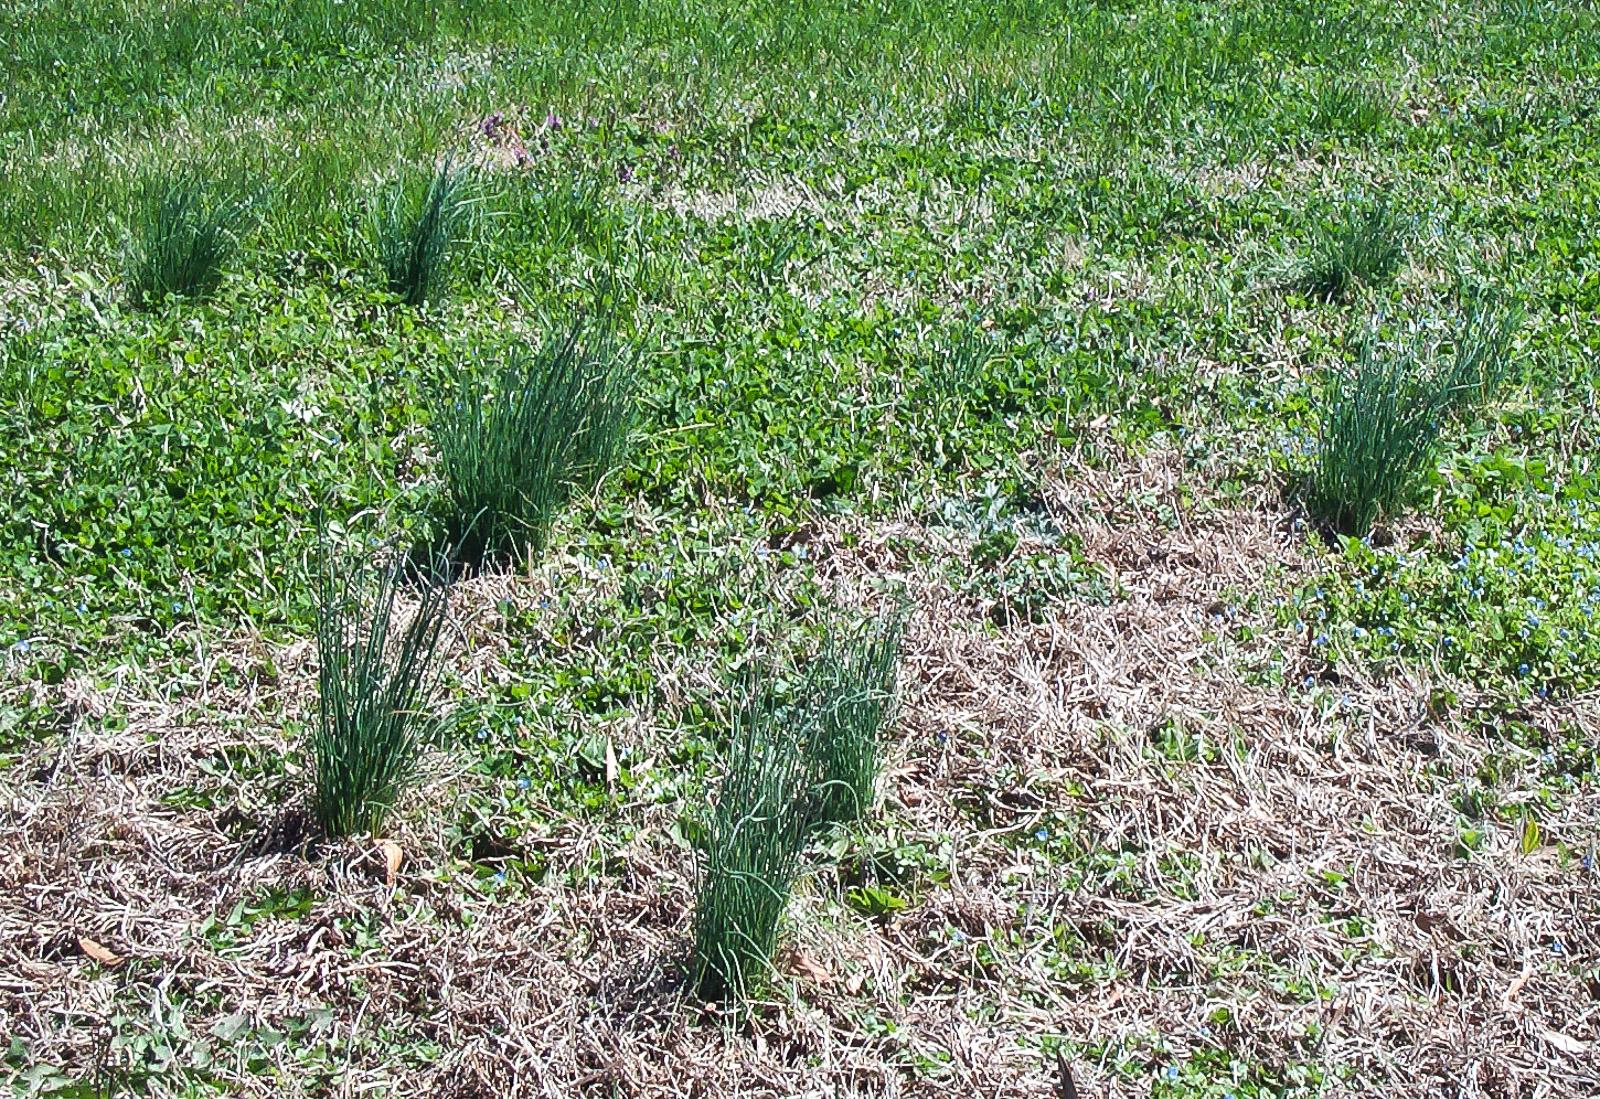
(731, 548)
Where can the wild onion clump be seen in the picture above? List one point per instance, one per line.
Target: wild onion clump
(1366, 248)
(1480, 350)
(377, 669)
(751, 856)
(849, 693)
(953, 379)
(183, 234)
(417, 230)
(553, 423)
(1380, 426)
(1383, 419)
(1345, 107)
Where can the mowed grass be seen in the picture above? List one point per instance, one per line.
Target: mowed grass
(979, 307)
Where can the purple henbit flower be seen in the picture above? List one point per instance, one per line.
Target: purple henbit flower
(491, 124)
(552, 121)
(624, 173)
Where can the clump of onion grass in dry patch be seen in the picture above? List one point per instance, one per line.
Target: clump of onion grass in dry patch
(183, 234)
(377, 670)
(1381, 424)
(751, 853)
(1385, 417)
(847, 697)
(550, 424)
(417, 230)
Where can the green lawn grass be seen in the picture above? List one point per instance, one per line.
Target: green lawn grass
(1007, 310)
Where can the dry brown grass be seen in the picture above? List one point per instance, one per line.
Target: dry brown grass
(1243, 871)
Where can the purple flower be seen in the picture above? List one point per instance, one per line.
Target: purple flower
(624, 173)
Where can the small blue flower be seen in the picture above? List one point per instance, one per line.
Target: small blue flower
(1041, 834)
(1522, 669)
(22, 646)
(83, 608)
(500, 877)
(524, 782)
(1172, 1072)
(1588, 861)
(127, 552)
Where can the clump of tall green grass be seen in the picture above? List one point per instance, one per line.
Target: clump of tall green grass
(551, 423)
(1383, 418)
(183, 234)
(1480, 358)
(750, 856)
(418, 229)
(1346, 107)
(1367, 247)
(848, 693)
(1380, 425)
(377, 666)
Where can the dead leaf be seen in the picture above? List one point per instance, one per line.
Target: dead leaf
(1564, 1042)
(803, 965)
(393, 856)
(611, 763)
(91, 949)
(1509, 1000)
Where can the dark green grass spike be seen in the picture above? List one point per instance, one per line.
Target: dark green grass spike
(376, 672)
(553, 422)
(751, 856)
(183, 235)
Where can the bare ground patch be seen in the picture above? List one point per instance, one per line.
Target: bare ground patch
(1155, 848)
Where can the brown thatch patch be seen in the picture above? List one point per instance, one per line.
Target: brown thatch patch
(1153, 847)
